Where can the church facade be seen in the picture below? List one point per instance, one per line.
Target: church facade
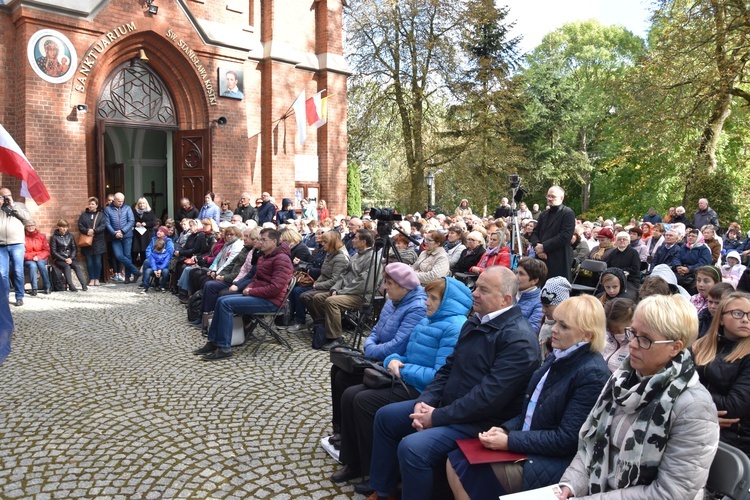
(169, 98)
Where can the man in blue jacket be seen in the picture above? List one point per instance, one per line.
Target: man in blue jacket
(480, 385)
(120, 222)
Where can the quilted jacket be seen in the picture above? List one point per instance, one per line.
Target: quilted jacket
(396, 322)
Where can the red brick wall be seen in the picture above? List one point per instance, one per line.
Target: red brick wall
(254, 152)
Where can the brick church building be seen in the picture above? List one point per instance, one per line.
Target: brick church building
(171, 98)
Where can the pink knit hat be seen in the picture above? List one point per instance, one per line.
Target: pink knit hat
(403, 274)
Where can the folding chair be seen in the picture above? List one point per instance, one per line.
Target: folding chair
(362, 319)
(730, 473)
(264, 324)
(595, 266)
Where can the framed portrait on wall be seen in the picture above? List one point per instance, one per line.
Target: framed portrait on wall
(52, 56)
(231, 83)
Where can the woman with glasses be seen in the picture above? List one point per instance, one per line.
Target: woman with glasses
(654, 430)
(433, 262)
(472, 254)
(724, 367)
(556, 403)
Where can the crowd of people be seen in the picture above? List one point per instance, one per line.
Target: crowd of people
(630, 388)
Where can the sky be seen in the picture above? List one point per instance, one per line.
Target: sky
(536, 18)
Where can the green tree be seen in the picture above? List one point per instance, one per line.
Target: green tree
(570, 97)
(353, 189)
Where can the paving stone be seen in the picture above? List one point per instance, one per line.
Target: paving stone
(108, 402)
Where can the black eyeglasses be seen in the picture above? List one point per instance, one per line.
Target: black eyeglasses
(737, 314)
(643, 342)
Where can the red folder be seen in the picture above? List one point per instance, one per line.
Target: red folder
(476, 453)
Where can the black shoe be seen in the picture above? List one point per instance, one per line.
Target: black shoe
(331, 344)
(84, 288)
(19, 302)
(46, 291)
(345, 473)
(136, 276)
(334, 438)
(363, 488)
(72, 289)
(217, 354)
(206, 349)
(127, 280)
(32, 292)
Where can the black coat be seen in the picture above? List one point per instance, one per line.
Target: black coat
(629, 261)
(468, 259)
(266, 212)
(729, 385)
(63, 246)
(555, 232)
(190, 213)
(86, 222)
(247, 213)
(141, 241)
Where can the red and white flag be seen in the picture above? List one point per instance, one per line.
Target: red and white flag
(14, 162)
(299, 115)
(317, 110)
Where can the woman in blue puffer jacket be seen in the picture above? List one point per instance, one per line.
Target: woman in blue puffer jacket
(430, 343)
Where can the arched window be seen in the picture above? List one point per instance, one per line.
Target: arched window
(134, 93)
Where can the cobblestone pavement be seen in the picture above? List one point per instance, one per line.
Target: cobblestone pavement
(102, 398)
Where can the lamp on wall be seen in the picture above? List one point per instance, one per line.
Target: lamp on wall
(142, 56)
(152, 9)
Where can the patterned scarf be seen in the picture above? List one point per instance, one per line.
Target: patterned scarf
(651, 398)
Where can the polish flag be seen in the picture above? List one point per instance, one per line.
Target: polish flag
(299, 115)
(317, 110)
(14, 162)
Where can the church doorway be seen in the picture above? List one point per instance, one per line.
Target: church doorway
(141, 152)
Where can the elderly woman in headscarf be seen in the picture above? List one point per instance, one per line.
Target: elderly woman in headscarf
(654, 431)
(693, 255)
(605, 238)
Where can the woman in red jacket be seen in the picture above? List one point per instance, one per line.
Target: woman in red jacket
(497, 254)
(36, 256)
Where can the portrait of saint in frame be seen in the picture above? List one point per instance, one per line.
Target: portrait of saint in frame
(52, 56)
(230, 83)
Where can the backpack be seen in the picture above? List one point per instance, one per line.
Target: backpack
(319, 336)
(57, 278)
(194, 305)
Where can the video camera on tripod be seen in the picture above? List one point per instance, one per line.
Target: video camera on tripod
(385, 216)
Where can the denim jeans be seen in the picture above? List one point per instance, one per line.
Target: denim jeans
(396, 444)
(227, 306)
(148, 272)
(33, 266)
(13, 254)
(121, 248)
(94, 266)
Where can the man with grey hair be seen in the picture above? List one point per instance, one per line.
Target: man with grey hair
(705, 215)
(245, 208)
(504, 210)
(480, 386)
(552, 235)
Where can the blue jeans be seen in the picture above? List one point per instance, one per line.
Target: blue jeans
(33, 266)
(148, 272)
(211, 293)
(121, 248)
(13, 254)
(94, 265)
(184, 281)
(396, 444)
(227, 306)
(298, 308)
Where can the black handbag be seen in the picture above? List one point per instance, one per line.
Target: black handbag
(349, 360)
(377, 377)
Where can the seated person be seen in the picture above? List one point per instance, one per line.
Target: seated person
(348, 292)
(406, 253)
(472, 254)
(454, 244)
(497, 254)
(613, 283)
(619, 313)
(480, 385)
(626, 258)
(230, 249)
(731, 272)
(333, 267)
(723, 364)
(626, 442)
(706, 316)
(161, 233)
(433, 262)
(404, 309)
(64, 251)
(299, 251)
(556, 290)
(531, 274)
(264, 294)
(158, 266)
(668, 252)
(557, 401)
(706, 277)
(693, 254)
(35, 256)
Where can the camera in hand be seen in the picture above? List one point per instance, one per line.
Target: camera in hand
(7, 208)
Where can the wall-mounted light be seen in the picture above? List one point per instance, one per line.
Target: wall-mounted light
(82, 108)
(220, 121)
(142, 56)
(152, 9)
